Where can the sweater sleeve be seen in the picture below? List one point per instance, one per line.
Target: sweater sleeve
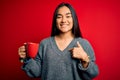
(33, 66)
(92, 70)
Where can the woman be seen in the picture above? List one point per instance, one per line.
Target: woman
(65, 55)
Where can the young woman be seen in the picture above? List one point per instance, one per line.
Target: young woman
(65, 55)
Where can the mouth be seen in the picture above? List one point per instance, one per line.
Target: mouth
(63, 25)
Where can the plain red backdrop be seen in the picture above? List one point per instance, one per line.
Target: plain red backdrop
(30, 20)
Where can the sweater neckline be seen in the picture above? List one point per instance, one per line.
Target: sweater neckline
(55, 47)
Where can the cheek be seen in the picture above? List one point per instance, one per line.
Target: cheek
(71, 23)
(57, 22)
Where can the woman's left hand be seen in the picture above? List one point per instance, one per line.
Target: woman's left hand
(78, 52)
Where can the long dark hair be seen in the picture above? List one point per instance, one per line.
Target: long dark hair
(75, 30)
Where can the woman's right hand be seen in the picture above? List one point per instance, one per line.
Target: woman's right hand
(22, 52)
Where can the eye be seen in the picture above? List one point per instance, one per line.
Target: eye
(68, 16)
(59, 16)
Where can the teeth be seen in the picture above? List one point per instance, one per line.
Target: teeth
(63, 24)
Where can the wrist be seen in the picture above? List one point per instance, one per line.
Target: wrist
(86, 59)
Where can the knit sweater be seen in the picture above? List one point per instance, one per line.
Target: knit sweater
(53, 64)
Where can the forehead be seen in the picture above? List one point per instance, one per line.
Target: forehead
(63, 10)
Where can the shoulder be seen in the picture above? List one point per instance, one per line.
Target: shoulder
(45, 41)
(82, 40)
(86, 46)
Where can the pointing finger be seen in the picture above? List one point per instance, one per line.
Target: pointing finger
(70, 49)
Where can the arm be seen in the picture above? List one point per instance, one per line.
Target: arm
(33, 66)
(91, 70)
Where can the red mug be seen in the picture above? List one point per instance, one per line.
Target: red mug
(32, 49)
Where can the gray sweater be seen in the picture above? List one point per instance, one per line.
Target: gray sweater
(54, 64)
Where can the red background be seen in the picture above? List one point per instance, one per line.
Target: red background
(30, 20)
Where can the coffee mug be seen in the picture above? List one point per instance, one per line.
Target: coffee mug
(32, 49)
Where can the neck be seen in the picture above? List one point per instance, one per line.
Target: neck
(65, 36)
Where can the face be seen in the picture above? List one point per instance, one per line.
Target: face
(64, 20)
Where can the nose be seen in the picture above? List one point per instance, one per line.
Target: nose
(64, 19)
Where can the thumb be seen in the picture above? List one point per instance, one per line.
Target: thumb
(78, 44)
(25, 43)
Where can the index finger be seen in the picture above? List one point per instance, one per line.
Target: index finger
(70, 49)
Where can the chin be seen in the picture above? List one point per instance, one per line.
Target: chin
(65, 31)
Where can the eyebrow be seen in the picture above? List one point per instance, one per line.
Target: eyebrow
(66, 14)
